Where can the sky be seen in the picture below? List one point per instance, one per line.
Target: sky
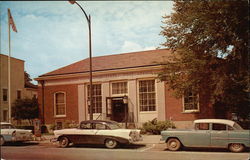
(54, 34)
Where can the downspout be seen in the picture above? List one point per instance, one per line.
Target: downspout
(43, 119)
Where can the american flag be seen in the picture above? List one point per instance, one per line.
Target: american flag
(11, 21)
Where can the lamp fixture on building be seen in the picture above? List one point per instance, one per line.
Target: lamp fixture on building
(125, 99)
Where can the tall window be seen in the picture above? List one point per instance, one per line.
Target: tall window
(119, 88)
(5, 95)
(191, 101)
(147, 95)
(5, 115)
(97, 98)
(60, 104)
(18, 94)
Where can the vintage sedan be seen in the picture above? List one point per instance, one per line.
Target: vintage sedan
(10, 134)
(108, 133)
(216, 133)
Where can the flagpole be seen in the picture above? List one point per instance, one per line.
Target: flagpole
(9, 89)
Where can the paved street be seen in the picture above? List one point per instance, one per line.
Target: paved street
(150, 151)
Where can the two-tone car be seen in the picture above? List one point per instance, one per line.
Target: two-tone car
(216, 133)
(11, 134)
(108, 133)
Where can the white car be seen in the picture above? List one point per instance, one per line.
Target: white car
(108, 133)
(10, 134)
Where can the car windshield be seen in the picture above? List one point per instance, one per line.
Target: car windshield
(113, 125)
(237, 126)
(7, 126)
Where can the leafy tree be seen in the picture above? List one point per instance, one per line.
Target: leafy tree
(27, 78)
(28, 81)
(209, 42)
(25, 109)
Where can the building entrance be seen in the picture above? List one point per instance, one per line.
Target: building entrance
(116, 109)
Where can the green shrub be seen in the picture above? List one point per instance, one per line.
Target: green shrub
(155, 127)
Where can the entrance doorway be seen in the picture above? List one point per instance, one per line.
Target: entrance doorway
(116, 109)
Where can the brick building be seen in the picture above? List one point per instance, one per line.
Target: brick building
(63, 93)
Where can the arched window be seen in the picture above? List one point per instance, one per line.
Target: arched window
(60, 104)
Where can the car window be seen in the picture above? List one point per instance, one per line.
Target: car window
(7, 126)
(113, 125)
(219, 127)
(230, 128)
(237, 126)
(86, 126)
(202, 126)
(100, 126)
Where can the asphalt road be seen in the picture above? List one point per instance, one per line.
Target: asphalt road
(35, 151)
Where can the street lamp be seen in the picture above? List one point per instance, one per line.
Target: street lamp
(90, 60)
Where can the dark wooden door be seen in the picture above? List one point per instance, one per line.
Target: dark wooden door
(118, 110)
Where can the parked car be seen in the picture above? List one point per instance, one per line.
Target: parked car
(10, 134)
(108, 133)
(216, 133)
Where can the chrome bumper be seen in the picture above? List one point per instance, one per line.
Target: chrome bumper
(135, 139)
(53, 140)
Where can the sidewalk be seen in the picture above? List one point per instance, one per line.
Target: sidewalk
(150, 139)
(147, 139)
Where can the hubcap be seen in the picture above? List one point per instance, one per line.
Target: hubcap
(63, 142)
(111, 143)
(236, 146)
(173, 144)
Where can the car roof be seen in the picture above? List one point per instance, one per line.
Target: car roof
(2, 123)
(222, 121)
(98, 121)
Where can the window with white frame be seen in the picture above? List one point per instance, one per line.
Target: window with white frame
(60, 104)
(147, 95)
(191, 101)
(97, 98)
(119, 88)
(5, 95)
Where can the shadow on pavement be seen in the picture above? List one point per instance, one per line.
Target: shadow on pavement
(206, 150)
(131, 146)
(15, 144)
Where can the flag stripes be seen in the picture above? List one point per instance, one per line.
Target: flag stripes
(11, 21)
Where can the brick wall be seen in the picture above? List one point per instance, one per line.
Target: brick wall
(174, 108)
(71, 103)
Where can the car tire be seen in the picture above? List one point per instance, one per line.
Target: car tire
(173, 144)
(111, 143)
(236, 147)
(64, 142)
(2, 141)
